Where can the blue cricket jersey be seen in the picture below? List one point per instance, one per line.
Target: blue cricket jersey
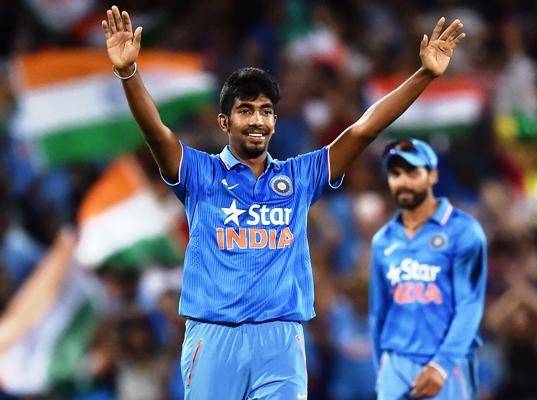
(248, 258)
(427, 293)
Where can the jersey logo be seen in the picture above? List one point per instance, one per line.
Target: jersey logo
(412, 270)
(275, 232)
(438, 241)
(281, 185)
(233, 213)
(414, 282)
(391, 248)
(224, 182)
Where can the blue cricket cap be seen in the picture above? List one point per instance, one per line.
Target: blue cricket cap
(416, 152)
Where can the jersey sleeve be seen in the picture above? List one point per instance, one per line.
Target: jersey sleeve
(194, 170)
(469, 281)
(379, 301)
(314, 172)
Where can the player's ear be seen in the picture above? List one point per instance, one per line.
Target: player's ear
(223, 122)
(433, 177)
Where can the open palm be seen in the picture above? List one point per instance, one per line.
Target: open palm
(436, 53)
(122, 45)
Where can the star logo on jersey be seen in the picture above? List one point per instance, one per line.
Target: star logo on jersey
(394, 274)
(232, 213)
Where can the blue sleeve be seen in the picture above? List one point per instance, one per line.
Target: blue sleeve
(314, 172)
(469, 281)
(379, 302)
(194, 170)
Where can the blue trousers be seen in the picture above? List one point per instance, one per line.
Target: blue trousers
(245, 362)
(396, 374)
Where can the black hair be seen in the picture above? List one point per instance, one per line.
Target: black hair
(247, 84)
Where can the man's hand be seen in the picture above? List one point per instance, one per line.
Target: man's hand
(123, 46)
(436, 53)
(428, 383)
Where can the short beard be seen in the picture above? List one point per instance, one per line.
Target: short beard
(411, 204)
(252, 152)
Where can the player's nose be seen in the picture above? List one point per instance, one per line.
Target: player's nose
(256, 119)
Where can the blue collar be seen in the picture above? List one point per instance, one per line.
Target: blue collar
(230, 161)
(440, 216)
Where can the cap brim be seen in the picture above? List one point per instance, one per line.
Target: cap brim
(411, 158)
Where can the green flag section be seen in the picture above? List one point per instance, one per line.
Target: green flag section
(123, 224)
(48, 325)
(71, 108)
(516, 126)
(449, 105)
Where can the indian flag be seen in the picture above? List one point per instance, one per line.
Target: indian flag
(123, 223)
(48, 325)
(450, 104)
(71, 107)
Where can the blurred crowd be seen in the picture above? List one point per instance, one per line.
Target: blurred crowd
(325, 54)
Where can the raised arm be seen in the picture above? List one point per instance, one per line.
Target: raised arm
(123, 47)
(435, 55)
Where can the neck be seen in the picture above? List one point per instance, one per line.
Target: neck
(413, 219)
(257, 164)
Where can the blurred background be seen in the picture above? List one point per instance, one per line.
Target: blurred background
(91, 241)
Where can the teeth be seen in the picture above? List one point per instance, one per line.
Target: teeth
(255, 134)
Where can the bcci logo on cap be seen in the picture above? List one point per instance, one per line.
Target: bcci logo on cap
(281, 185)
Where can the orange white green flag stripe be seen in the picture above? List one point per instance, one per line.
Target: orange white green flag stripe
(72, 108)
(48, 324)
(122, 222)
(449, 105)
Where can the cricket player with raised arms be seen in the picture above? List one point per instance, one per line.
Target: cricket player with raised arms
(247, 283)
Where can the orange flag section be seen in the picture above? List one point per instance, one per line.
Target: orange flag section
(121, 181)
(49, 66)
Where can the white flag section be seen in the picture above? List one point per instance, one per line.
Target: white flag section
(123, 224)
(450, 104)
(71, 107)
(47, 326)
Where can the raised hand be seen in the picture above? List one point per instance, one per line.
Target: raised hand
(436, 53)
(123, 46)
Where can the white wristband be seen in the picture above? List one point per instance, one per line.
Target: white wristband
(124, 78)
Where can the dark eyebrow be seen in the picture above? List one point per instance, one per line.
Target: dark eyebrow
(248, 104)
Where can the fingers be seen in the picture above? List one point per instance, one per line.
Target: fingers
(116, 22)
(137, 37)
(458, 39)
(451, 30)
(117, 18)
(427, 389)
(424, 42)
(438, 28)
(106, 30)
(126, 21)
(111, 23)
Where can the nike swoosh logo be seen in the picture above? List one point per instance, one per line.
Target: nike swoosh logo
(389, 250)
(224, 182)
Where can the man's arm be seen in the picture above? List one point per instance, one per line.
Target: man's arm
(378, 304)
(435, 55)
(469, 281)
(123, 47)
